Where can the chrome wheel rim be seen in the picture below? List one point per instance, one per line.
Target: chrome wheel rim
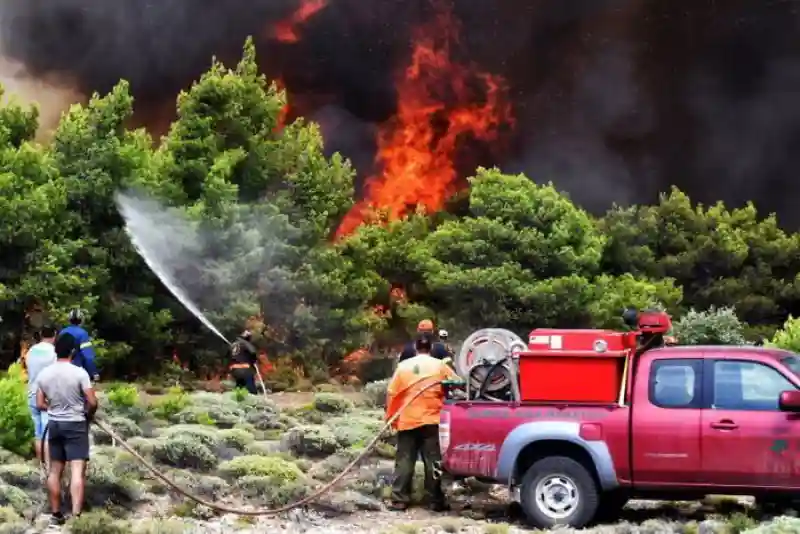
(557, 496)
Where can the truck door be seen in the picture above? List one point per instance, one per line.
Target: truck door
(747, 440)
(665, 437)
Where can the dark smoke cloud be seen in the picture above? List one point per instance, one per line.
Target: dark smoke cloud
(615, 99)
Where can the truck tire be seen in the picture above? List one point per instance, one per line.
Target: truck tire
(558, 491)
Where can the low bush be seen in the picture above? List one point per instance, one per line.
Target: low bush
(236, 438)
(274, 467)
(8, 515)
(185, 453)
(15, 498)
(208, 436)
(22, 476)
(354, 431)
(331, 466)
(375, 393)
(122, 395)
(105, 486)
(314, 441)
(331, 403)
(268, 491)
(15, 417)
(126, 428)
(161, 526)
(97, 522)
(171, 404)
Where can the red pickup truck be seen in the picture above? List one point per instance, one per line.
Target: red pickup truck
(690, 421)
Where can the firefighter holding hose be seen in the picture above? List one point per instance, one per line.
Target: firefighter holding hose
(418, 425)
(244, 357)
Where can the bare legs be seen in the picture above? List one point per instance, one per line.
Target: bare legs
(76, 488)
(77, 485)
(54, 486)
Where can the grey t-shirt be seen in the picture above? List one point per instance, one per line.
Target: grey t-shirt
(63, 385)
(39, 356)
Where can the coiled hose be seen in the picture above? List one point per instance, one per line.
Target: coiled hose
(263, 512)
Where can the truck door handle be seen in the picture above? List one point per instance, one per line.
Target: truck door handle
(725, 424)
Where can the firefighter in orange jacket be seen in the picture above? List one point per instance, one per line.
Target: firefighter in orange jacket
(418, 425)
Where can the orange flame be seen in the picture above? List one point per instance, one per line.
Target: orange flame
(288, 31)
(283, 115)
(439, 103)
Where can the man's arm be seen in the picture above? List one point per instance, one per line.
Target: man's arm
(41, 400)
(87, 350)
(91, 397)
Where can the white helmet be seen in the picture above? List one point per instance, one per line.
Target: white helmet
(443, 334)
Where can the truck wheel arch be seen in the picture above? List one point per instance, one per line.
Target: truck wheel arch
(532, 441)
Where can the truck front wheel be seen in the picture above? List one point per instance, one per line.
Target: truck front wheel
(558, 491)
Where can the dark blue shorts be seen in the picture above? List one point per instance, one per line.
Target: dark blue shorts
(68, 440)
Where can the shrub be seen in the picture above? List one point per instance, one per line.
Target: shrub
(161, 526)
(375, 393)
(274, 467)
(14, 497)
(20, 475)
(716, 326)
(271, 492)
(171, 404)
(313, 441)
(185, 453)
(354, 431)
(236, 438)
(97, 522)
(221, 416)
(779, 525)
(788, 337)
(332, 465)
(15, 418)
(123, 395)
(209, 437)
(121, 425)
(105, 486)
(8, 515)
(331, 403)
(143, 446)
(125, 464)
(264, 419)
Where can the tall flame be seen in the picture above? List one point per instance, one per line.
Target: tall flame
(439, 103)
(288, 31)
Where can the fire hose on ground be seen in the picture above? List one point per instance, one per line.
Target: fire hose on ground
(263, 512)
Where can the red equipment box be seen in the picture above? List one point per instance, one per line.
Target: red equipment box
(574, 365)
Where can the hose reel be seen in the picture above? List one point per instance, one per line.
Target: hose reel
(486, 365)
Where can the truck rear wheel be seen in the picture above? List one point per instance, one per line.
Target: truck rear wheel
(558, 491)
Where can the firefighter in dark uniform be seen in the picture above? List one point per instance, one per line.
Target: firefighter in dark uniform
(438, 349)
(244, 357)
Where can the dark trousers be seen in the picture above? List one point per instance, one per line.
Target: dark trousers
(423, 440)
(245, 378)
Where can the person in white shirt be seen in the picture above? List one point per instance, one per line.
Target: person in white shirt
(41, 355)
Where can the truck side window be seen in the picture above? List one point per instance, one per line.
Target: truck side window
(744, 385)
(675, 383)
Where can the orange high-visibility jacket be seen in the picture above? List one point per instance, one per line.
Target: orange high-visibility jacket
(410, 376)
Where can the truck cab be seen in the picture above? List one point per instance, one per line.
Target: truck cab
(686, 422)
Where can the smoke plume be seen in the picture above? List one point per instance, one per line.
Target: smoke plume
(613, 100)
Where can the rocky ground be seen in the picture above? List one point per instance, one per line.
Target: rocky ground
(248, 452)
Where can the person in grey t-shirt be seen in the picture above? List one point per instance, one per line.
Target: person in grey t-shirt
(38, 357)
(66, 392)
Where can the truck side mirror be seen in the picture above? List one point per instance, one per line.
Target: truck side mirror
(789, 401)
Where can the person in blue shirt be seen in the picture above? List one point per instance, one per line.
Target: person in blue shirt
(85, 356)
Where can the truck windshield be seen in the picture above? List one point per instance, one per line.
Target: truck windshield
(793, 363)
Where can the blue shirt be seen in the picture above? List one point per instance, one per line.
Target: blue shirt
(85, 356)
